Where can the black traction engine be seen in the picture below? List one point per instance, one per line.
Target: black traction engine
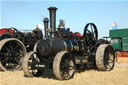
(65, 52)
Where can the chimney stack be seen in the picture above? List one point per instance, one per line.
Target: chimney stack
(52, 13)
(46, 26)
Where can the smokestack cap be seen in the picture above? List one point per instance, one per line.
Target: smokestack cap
(52, 8)
(45, 20)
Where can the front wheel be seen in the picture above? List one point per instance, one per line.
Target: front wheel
(29, 65)
(64, 66)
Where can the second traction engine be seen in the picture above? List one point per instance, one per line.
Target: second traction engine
(64, 52)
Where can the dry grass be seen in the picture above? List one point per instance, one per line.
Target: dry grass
(119, 76)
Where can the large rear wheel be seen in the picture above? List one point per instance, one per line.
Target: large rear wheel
(105, 57)
(12, 52)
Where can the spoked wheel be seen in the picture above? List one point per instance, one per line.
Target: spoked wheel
(64, 66)
(12, 52)
(105, 57)
(29, 65)
(90, 32)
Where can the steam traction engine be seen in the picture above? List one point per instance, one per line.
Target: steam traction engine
(13, 47)
(64, 52)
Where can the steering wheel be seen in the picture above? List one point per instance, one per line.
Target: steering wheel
(90, 33)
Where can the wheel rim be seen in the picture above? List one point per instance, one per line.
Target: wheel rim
(67, 67)
(109, 58)
(11, 55)
(32, 70)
